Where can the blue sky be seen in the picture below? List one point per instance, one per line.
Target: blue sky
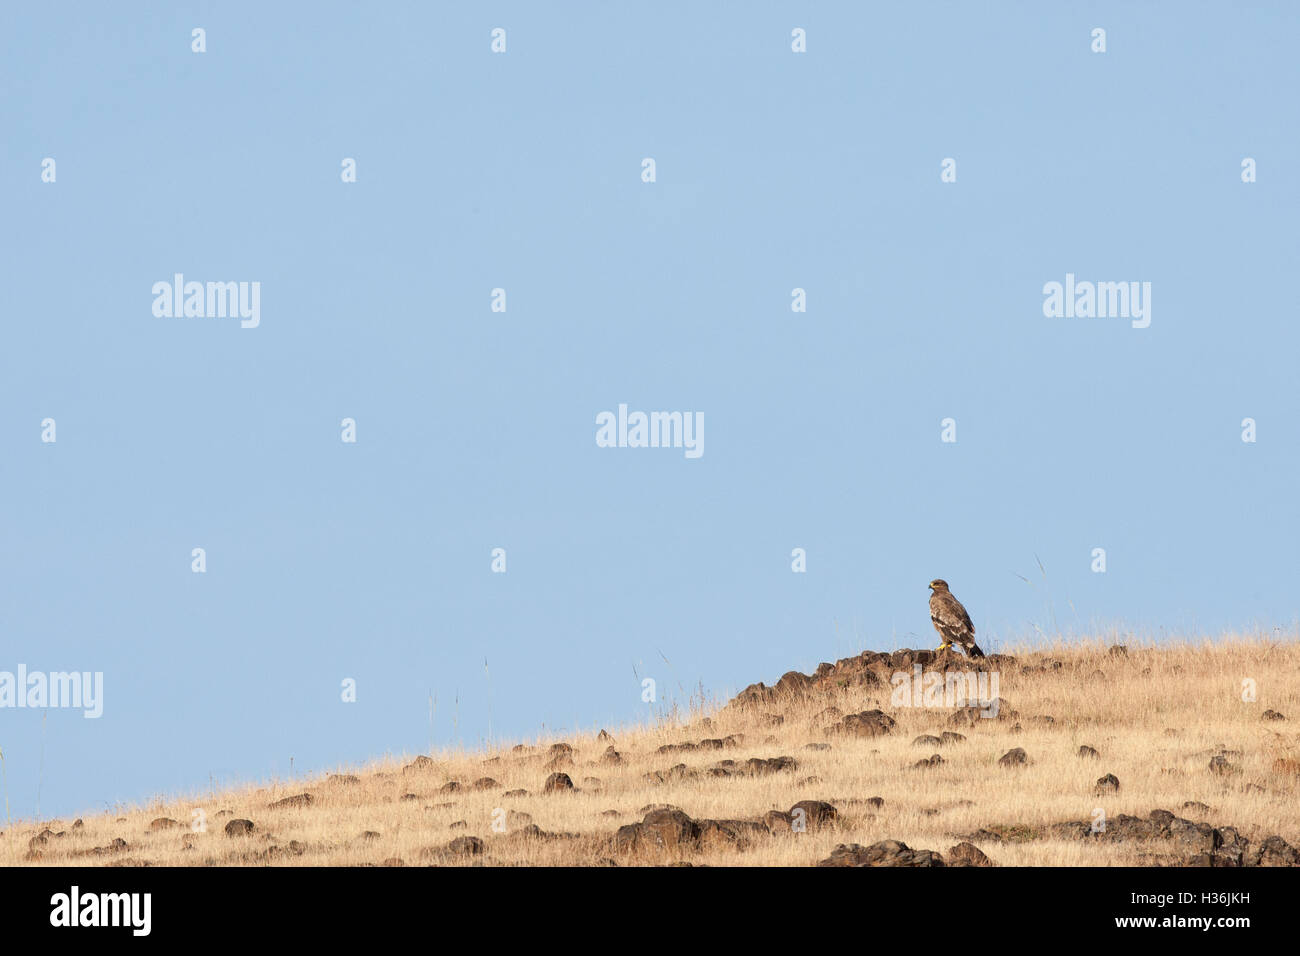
(476, 429)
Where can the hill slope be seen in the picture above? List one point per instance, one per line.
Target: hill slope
(860, 762)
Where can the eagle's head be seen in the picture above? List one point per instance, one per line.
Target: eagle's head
(938, 584)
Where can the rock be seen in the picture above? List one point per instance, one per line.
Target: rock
(926, 740)
(604, 736)
(660, 830)
(518, 792)
(164, 823)
(240, 827)
(297, 801)
(967, 854)
(557, 783)
(1015, 757)
(342, 779)
(932, 761)
(1273, 851)
(971, 714)
(485, 783)
(1271, 715)
(868, 723)
(1088, 753)
(884, 853)
(1106, 784)
(792, 685)
(1219, 764)
(949, 737)
(459, 848)
(1195, 806)
(758, 766)
(817, 747)
(816, 814)
(1119, 650)
(611, 756)
(420, 763)
(875, 802)
(729, 834)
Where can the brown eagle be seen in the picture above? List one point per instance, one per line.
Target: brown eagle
(951, 620)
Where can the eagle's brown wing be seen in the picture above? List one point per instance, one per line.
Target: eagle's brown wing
(950, 618)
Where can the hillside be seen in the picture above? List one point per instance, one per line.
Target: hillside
(1088, 756)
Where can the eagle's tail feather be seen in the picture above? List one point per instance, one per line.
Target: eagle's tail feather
(973, 650)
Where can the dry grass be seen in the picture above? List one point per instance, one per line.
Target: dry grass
(1156, 716)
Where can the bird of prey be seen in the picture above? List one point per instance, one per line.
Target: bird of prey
(951, 620)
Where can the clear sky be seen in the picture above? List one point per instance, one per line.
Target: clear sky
(523, 170)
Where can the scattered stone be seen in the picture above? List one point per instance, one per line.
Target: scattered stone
(806, 816)
(667, 829)
(932, 761)
(557, 783)
(240, 827)
(297, 801)
(869, 723)
(459, 848)
(1272, 715)
(1220, 765)
(884, 853)
(1106, 784)
(926, 740)
(1273, 851)
(419, 764)
(970, 714)
(1088, 753)
(967, 854)
(1015, 757)
(164, 823)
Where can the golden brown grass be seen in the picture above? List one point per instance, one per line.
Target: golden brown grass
(1156, 716)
